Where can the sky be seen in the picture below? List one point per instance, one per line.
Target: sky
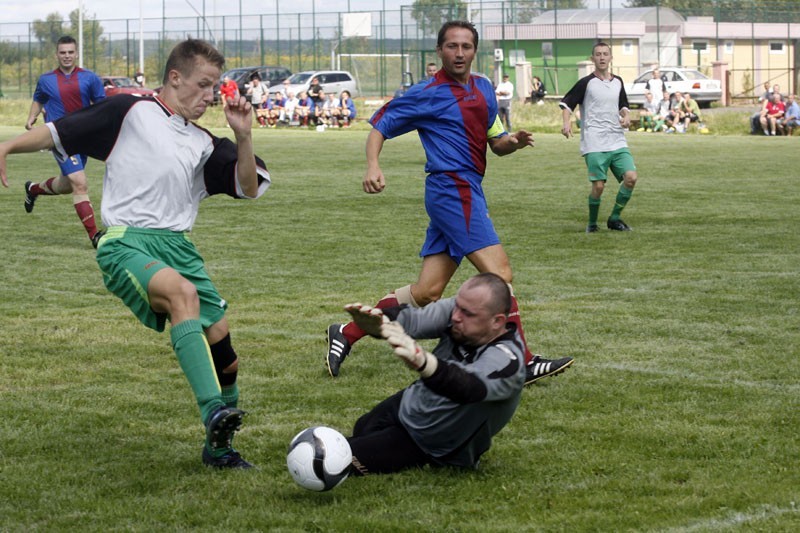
(29, 10)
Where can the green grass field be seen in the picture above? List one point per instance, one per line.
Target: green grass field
(681, 412)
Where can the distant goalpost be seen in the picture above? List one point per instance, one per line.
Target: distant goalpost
(374, 73)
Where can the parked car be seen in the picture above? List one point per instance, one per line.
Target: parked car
(332, 81)
(115, 85)
(270, 75)
(686, 80)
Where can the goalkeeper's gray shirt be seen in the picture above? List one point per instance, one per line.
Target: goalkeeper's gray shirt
(453, 414)
(601, 102)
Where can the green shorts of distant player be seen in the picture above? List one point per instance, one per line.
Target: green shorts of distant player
(130, 257)
(619, 162)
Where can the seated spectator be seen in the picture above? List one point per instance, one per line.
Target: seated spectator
(276, 109)
(290, 109)
(330, 110)
(304, 108)
(664, 113)
(772, 113)
(228, 90)
(691, 112)
(319, 111)
(676, 114)
(258, 99)
(648, 113)
(347, 109)
(538, 91)
(764, 99)
(792, 117)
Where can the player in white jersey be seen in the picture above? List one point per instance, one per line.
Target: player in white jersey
(159, 165)
(604, 114)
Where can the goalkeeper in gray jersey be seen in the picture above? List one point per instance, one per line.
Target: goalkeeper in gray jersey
(468, 388)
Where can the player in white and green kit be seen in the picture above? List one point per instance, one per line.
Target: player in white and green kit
(604, 114)
(159, 166)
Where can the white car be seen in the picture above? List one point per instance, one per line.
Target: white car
(684, 80)
(332, 81)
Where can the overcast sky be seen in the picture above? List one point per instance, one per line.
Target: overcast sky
(29, 10)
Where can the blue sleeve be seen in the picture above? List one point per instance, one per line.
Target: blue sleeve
(96, 91)
(399, 115)
(39, 94)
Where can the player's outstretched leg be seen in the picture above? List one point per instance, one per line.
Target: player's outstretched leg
(218, 451)
(539, 368)
(342, 337)
(338, 348)
(30, 198)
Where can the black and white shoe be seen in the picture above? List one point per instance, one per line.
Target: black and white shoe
(592, 228)
(539, 368)
(30, 198)
(618, 225)
(338, 348)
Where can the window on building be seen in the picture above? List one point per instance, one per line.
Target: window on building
(700, 46)
(547, 50)
(627, 48)
(777, 47)
(729, 47)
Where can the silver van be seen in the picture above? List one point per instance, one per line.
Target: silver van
(332, 81)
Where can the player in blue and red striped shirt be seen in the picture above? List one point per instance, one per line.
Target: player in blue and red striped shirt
(62, 91)
(455, 115)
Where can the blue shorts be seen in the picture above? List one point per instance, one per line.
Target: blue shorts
(74, 163)
(459, 217)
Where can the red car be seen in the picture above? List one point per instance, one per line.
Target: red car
(115, 85)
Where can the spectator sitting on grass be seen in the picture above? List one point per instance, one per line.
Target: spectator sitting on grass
(648, 113)
(691, 112)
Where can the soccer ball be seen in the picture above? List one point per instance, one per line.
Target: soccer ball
(319, 458)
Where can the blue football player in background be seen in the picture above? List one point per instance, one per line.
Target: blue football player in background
(455, 115)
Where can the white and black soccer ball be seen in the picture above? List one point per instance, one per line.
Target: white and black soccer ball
(319, 458)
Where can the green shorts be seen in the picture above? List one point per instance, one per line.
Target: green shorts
(130, 257)
(619, 161)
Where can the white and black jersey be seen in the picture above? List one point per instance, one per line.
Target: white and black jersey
(601, 102)
(159, 166)
(453, 414)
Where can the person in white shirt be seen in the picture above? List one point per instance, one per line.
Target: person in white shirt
(505, 92)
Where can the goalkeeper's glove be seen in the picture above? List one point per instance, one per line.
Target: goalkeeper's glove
(367, 318)
(408, 350)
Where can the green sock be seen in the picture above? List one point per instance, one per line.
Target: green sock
(230, 395)
(623, 196)
(194, 356)
(594, 209)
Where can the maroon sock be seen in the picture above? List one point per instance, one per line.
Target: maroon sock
(353, 333)
(86, 214)
(45, 188)
(513, 317)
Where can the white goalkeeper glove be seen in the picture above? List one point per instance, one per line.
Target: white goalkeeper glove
(367, 318)
(408, 350)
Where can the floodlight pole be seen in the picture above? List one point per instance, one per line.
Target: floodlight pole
(80, 33)
(141, 36)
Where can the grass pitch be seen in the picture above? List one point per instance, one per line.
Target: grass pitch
(679, 414)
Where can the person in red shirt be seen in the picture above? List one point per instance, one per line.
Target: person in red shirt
(773, 111)
(228, 90)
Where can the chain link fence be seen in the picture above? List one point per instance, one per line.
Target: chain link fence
(401, 40)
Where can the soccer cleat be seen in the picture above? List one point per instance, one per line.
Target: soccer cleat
(30, 198)
(221, 426)
(232, 459)
(338, 348)
(618, 225)
(539, 368)
(97, 237)
(592, 228)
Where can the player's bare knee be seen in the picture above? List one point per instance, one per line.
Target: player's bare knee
(629, 179)
(426, 295)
